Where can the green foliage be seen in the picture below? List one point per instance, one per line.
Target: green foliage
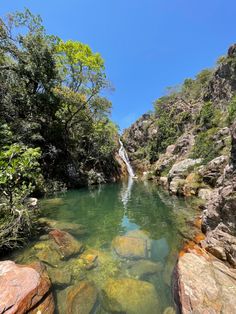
(171, 121)
(232, 111)
(205, 146)
(50, 98)
(19, 172)
(209, 121)
(53, 117)
(210, 117)
(221, 60)
(192, 89)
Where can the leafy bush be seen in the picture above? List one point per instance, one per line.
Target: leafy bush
(209, 117)
(19, 173)
(204, 146)
(171, 122)
(232, 111)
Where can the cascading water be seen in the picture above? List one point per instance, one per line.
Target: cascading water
(124, 156)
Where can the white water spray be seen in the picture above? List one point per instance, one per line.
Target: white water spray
(124, 156)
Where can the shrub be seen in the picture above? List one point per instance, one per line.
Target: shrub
(209, 117)
(19, 172)
(232, 111)
(204, 146)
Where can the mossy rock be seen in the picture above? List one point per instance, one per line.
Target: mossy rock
(130, 247)
(130, 296)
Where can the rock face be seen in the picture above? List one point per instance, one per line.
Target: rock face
(223, 84)
(135, 138)
(67, 245)
(130, 247)
(219, 219)
(213, 170)
(25, 289)
(204, 285)
(130, 296)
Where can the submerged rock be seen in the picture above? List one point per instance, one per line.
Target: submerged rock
(82, 299)
(107, 266)
(73, 228)
(90, 260)
(169, 310)
(130, 296)
(204, 285)
(140, 234)
(24, 289)
(47, 253)
(59, 277)
(66, 244)
(130, 247)
(143, 268)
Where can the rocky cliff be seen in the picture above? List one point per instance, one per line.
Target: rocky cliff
(188, 145)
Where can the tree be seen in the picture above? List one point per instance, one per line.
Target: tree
(82, 73)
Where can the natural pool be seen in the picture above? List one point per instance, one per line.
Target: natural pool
(132, 232)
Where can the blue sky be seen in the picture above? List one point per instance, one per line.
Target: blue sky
(147, 44)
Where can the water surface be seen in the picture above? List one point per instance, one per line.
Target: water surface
(126, 208)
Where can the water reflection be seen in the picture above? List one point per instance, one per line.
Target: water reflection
(125, 193)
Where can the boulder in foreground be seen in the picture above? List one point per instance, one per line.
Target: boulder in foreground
(25, 289)
(202, 284)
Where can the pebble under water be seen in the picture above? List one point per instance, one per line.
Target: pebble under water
(131, 233)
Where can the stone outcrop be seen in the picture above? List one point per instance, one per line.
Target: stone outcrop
(214, 170)
(180, 169)
(223, 83)
(219, 218)
(25, 289)
(204, 285)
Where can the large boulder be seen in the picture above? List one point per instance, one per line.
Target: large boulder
(130, 296)
(180, 169)
(25, 289)
(204, 285)
(130, 247)
(66, 244)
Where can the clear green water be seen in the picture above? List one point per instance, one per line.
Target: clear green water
(116, 209)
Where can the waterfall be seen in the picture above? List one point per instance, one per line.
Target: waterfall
(124, 156)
